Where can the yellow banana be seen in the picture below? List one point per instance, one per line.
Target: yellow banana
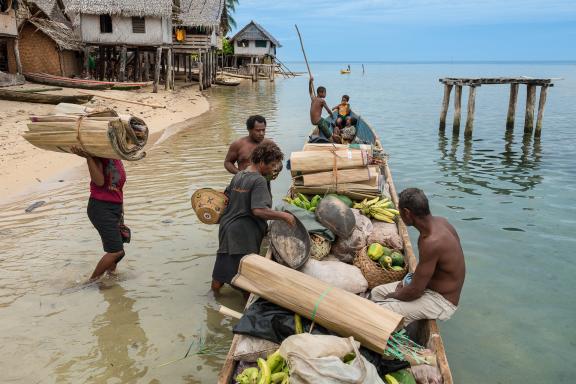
(394, 211)
(381, 211)
(382, 202)
(380, 217)
(278, 378)
(298, 324)
(275, 362)
(372, 202)
(265, 374)
(390, 379)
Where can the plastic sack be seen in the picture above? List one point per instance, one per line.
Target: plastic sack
(338, 274)
(345, 248)
(318, 359)
(385, 234)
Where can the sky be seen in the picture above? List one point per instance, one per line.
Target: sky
(418, 30)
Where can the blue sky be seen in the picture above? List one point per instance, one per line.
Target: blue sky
(418, 30)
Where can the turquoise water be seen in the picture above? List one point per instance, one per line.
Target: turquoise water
(511, 200)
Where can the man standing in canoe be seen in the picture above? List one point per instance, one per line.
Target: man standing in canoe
(434, 289)
(316, 105)
(238, 156)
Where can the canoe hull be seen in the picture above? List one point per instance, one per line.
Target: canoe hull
(64, 82)
(43, 98)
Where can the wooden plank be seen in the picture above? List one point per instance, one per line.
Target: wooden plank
(541, 105)
(445, 104)
(470, 112)
(157, 69)
(530, 101)
(457, 110)
(512, 105)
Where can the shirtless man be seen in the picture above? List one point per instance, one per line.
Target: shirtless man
(317, 103)
(434, 291)
(240, 151)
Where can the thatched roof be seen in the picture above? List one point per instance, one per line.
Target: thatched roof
(61, 33)
(199, 13)
(254, 31)
(157, 8)
(42, 8)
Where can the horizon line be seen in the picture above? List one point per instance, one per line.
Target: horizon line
(573, 61)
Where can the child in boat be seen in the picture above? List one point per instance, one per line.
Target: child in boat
(343, 111)
(348, 133)
(316, 105)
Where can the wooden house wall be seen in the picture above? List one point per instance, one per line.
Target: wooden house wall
(252, 50)
(158, 31)
(8, 23)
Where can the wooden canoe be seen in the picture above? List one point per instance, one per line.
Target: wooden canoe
(227, 82)
(344, 71)
(426, 332)
(67, 82)
(43, 98)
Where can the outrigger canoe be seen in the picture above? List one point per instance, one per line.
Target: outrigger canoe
(424, 332)
(344, 71)
(45, 78)
(43, 98)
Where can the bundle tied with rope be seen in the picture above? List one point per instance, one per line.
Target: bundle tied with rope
(99, 132)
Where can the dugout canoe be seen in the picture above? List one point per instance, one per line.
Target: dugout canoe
(44, 78)
(43, 98)
(424, 332)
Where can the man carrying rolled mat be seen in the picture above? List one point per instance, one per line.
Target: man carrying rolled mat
(434, 289)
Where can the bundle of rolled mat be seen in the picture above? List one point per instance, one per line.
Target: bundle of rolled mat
(99, 132)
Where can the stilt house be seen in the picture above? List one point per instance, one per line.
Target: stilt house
(8, 34)
(253, 44)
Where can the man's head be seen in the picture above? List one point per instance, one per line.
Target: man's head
(351, 121)
(256, 126)
(267, 157)
(321, 92)
(345, 99)
(413, 205)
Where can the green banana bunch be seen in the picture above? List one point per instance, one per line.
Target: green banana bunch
(390, 379)
(298, 324)
(275, 362)
(265, 373)
(278, 377)
(301, 201)
(248, 376)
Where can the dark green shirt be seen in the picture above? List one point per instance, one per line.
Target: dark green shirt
(241, 232)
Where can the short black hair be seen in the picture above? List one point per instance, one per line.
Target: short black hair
(353, 121)
(253, 119)
(267, 152)
(414, 200)
(321, 89)
(346, 97)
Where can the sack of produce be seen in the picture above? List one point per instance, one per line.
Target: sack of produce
(335, 215)
(345, 248)
(385, 234)
(338, 274)
(320, 247)
(251, 348)
(326, 359)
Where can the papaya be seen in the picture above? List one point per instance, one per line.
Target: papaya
(397, 259)
(397, 268)
(388, 251)
(385, 262)
(375, 251)
(403, 376)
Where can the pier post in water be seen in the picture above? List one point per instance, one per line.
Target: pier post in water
(457, 109)
(530, 101)
(157, 69)
(122, 70)
(512, 105)
(445, 104)
(470, 113)
(541, 104)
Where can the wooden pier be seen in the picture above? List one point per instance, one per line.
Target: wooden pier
(473, 83)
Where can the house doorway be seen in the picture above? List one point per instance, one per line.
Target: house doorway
(3, 56)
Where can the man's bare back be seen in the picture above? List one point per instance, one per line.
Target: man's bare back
(316, 105)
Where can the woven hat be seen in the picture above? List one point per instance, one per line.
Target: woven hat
(209, 205)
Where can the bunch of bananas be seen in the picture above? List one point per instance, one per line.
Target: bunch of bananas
(301, 201)
(381, 209)
(273, 370)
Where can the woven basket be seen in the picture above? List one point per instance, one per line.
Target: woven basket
(374, 273)
(209, 205)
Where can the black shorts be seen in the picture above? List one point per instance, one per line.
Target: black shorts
(106, 216)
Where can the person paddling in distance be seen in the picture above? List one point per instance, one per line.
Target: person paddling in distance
(317, 104)
(105, 207)
(435, 287)
(244, 221)
(239, 152)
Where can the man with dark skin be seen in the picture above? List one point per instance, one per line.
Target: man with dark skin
(238, 156)
(317, 103)
(434, 290)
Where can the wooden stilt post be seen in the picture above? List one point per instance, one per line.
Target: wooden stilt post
(102, 60)
(530, 101)
(470, 113)
(185, 69)
(17, 55)
(146, 74)
(201, 75)
(157, 69)
(168, 69)
(138, 64)
(445, 104)
(86, 52)
(457, 109)
(512, 106)
(541, 104)
(122, 70)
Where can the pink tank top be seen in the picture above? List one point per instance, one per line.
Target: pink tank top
(114, 179)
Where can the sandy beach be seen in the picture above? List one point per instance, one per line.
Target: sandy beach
(25, 168)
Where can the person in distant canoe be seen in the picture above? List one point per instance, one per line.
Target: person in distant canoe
(239, 152)
(105, 208)
(243, 223)
(435, 287)
(318, 103)
(343, 111)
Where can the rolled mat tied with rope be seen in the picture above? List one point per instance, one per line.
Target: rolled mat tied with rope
(335, 309)
(101, 133)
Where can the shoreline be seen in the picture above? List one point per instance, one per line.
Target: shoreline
(25, 169)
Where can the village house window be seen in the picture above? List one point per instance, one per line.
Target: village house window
(261, 43)
(242, 43)
(105, 24)
(138, 25)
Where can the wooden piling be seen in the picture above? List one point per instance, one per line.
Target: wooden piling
(512, 106)
(541, 104)
(200, 75)
(157, 69)
(470, 112)
(86, 52)
(457, 110)
(122, 70)
(138, 64)
(445, 103)
(530, 101)
(146, 74)
(168, 69)
(17, 56)
(102, 60)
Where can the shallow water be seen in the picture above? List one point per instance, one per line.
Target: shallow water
(510, 198)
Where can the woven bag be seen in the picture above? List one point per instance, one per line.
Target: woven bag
(209, 205)
(374, 273)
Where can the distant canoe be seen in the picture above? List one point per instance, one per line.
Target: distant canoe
(43, 98)
(344, 71)
(45, 78)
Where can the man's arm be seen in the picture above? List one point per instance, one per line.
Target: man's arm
(422, 275)
(231, 159)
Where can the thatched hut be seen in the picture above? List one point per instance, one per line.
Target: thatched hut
(8, 34)
(253, 43)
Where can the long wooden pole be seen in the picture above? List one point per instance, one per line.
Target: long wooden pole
(457, 109)
(445, 105)
(541, 105)
(305, 58)
(530, 101)
(470, 113)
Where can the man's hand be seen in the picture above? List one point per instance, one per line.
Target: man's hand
(399, 286)
(288, 218)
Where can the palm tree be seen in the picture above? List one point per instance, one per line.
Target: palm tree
(230, 8)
